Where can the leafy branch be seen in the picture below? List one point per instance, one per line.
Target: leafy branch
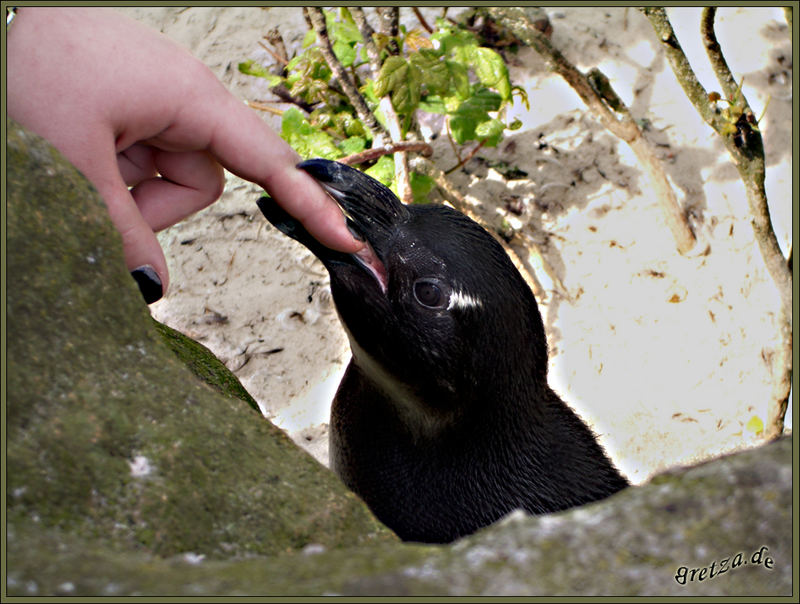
(738, 128)
(365, 87)
(317, 19)
(401, 175)
(360, 91)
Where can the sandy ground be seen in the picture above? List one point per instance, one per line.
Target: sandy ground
(666, 356)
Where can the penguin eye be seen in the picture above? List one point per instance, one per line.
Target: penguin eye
(430, 293)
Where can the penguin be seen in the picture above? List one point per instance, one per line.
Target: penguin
(443, 422)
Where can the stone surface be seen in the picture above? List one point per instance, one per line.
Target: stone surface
(128, 475)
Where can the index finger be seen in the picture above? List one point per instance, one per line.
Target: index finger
(248, 147)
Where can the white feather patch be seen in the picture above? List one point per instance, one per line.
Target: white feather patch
(459, 299)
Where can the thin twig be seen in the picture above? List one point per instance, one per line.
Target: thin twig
(453, 145)
(264, 107)
(422, 20)
(422, 148)
(752, 169)
(275, 38)
(721, 69)
(522, 24)
(469, 156)
(274, 55)
(279, 69)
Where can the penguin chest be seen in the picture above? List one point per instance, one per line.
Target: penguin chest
(424, 489)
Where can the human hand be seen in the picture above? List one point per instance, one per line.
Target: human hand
(130, 108)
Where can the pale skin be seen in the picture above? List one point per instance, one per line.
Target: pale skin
(150, 126)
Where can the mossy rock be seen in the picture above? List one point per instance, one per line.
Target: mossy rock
(110, 435)
(637, 542)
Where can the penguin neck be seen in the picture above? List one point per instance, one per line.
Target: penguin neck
(421, 419)
(498, 404)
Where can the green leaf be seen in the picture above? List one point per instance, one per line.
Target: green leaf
(406, 97)
(450, 38)
(383, 170)
(755, 425)
(433, 104)
(310, 75)
(460, 79)
(344, 13)
(368, 92)
(391, 76)
(309, 39)
(437, 75)
(490, 131)
(345, 52)
(471, 113)
(255, 69)
(452, 103)
(462, 128)
(403, 80)
(421, 185)
(479, 104)
(344, 31)
(292, 64)
(304, 138)
(354, 144)
(491, 71)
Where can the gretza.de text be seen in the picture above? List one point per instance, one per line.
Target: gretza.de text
(761, 557)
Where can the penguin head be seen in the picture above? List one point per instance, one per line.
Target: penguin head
(436, 312)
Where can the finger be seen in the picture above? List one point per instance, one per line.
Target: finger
(188, 183)
(143, 254)
(249, 148)
(136, 164)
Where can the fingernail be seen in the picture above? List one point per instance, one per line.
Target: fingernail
(149, 283)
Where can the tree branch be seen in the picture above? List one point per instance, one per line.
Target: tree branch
(317, 19)
(718, 62)
(680, 64)
(389, 17)
(522, 22)
(745, 146)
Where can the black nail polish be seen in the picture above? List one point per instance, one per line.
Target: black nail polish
(149, 283)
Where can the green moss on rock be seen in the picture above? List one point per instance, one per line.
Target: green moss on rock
(204, 364)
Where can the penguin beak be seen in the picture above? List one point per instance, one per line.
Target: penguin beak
(371, 209)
